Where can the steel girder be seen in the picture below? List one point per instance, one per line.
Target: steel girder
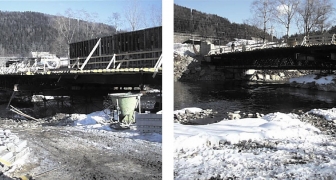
(309, 58)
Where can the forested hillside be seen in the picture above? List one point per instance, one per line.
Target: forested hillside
(23, 32)
(188, 20)
(192, 21)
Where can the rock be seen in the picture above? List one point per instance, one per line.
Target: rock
(254, 78)
(202, 72)
(212, 68)
(198, 68)
(189, 59)
(233, 116)
(187, 112)
(260, 76)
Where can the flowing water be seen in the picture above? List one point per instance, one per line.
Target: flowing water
(246, 97)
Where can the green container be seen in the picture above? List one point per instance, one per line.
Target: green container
(126, 102)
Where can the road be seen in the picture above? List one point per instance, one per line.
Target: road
(69, 152)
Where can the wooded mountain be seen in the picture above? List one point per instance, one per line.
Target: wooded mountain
(23, 32)
(188, 20)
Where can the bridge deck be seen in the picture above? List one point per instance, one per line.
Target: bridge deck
(88, 71)
(321, 57)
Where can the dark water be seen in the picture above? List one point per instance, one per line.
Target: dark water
(249, 98)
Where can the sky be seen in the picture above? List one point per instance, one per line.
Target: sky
(104, 8)
(234, 10)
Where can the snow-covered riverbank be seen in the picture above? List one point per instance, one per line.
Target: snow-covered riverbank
(312, 81)
(277, 145)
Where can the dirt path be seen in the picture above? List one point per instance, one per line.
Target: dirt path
(65, 152)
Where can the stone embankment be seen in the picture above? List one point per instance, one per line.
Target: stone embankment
(12, 149)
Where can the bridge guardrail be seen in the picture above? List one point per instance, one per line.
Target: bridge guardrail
(323, 39)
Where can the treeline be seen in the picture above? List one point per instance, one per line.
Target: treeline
(315, 21)
(188, 20)
(23, 32)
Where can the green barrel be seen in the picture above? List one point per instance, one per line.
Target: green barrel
(127, 102)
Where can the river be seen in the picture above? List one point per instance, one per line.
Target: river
(229, 96)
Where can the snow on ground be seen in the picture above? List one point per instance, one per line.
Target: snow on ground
(185, 49)
(329, 114)
(240, 42)
(277, 146)
(98, 121)
(192, 110)
(314, 78)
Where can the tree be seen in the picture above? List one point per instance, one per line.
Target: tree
(155, 16)
(89, 21)
(262, 11)
(324, 11)
(66, 26)
(314, 14)
(2, 51)
(115, 21)
(284, 12)
(133, 14)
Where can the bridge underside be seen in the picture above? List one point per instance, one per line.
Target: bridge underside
(304, 58)
(72, 84)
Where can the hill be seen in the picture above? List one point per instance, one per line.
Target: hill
(23, 32)
(188, 20)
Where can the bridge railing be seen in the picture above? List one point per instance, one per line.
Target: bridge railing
(241, 48)
(323, 39)
(126, 60)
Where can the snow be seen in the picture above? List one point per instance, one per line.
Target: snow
(192, 110)
(314, 78)
(184, 49)
(240, 42)
(329, 114)
(98, 121)
(302, 152)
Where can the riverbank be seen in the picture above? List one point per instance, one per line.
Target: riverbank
(277, 145)
(314, 81)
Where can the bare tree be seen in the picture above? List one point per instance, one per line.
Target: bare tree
(262, 11)
(133, 14)
(66, 26)
(155, 16)
(324, 11)
(2, 51)
(115, 21)
(314, 14)
(284, 11)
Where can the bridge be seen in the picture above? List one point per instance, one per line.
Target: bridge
(121, 62)
(313, 53)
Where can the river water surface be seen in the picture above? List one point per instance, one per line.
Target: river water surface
(246, 97)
